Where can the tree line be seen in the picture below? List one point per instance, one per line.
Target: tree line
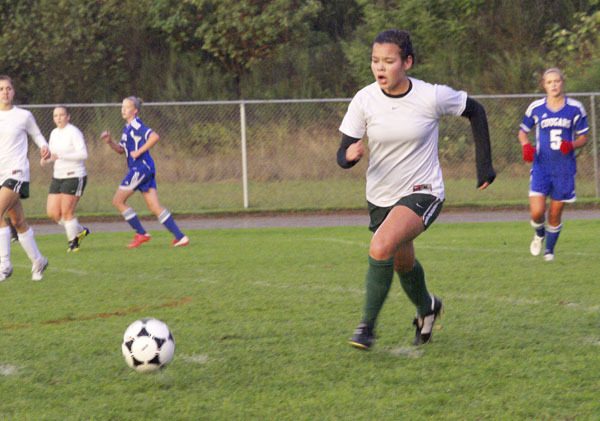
(72, 51)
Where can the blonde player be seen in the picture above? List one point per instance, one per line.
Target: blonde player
(135, 143)
(561, 126)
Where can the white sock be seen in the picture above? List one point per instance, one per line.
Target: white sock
(27, 241)
(5, 246)
(72, 228)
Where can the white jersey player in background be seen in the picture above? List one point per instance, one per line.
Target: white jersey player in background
(68, 152)
(405, 191)
(15, 125)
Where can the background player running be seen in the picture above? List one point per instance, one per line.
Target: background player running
(135, 143)
(561, 127)
(405, 190)
(68, 152)
(15, 125)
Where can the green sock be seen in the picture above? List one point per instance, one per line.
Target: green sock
(378, 282)
(413, 284)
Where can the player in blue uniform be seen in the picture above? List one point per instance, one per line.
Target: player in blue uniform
(561, 127)
(135, 143)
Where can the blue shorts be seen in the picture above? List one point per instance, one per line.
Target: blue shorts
(559, 187)
(139, 178)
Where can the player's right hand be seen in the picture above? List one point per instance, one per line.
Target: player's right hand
(105, 136)
(355, 151)
(528, 152)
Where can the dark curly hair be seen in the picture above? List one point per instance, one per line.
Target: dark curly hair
(400, 38)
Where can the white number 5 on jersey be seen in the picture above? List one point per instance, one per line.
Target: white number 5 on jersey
(555, 139)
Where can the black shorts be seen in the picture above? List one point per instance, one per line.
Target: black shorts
(20, 187)
(427, 206)
(73, 186)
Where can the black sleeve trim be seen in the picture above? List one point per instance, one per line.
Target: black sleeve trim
(475, 112)
(341, 153)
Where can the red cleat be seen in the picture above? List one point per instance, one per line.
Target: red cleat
(138, 240)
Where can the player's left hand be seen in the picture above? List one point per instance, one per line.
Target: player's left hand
(45, 152)
(134, 154)
(484, 182)
(566, 146)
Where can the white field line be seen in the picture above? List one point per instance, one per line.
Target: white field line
(8, 369)
(195, 359)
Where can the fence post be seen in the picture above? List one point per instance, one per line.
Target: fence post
(244, 153)
(594, 144)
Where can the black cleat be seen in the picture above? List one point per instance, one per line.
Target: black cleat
(424, 325)
(73, 245)
(364, 337)
(75, 242)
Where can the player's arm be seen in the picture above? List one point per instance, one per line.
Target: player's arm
(34, 131)
(566, 146)
(580, 141)
(107, 138)
(475, 112)
(523, 137)
(350, 151)
(152, 140)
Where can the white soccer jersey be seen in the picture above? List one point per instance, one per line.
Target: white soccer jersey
(15, 125)
(403, 138)
(68, 143)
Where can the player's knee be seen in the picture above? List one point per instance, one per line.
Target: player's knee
(537, 216)
(380, 250)
(117, 202)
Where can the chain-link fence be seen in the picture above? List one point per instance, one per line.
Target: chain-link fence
(280, 155)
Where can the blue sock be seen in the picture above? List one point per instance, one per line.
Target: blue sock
(133, 220)
(552, 234)
(168, 221)
(540, 231)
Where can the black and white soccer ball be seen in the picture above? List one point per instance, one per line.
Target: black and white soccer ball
(148, 345)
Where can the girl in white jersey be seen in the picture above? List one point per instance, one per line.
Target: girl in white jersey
(15, 125)
(405, 191)
(68, 152)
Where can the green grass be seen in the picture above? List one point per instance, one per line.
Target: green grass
(261, 318)
(289, 195)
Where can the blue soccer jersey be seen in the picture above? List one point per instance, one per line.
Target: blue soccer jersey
(135, 135)
(552, 127)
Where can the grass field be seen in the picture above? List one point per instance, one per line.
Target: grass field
(261, 318)
(223, 197)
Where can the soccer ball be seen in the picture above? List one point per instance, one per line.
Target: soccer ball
(148, 345)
